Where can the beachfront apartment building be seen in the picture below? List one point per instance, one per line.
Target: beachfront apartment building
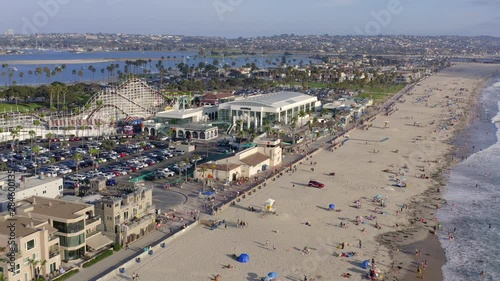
(36, 252)
(127, 213)
(76, 223)
(26, 186)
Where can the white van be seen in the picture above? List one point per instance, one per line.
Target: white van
(178, 152)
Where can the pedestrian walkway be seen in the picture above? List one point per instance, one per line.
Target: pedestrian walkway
(113, 262)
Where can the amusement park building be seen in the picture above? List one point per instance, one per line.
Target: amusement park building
(190, 123)
(270, 108)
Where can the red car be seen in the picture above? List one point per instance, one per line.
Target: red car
(316, 184)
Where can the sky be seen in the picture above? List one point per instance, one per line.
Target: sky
(250, 18)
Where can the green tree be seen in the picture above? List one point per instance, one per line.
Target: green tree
(302, 114)
(108, 145)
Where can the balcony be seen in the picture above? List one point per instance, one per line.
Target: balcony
(92, 220)
(92, 233)
(53, 254)
(53, 237)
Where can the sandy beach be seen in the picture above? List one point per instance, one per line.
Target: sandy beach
(304, 237)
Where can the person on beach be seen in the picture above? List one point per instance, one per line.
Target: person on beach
(420, 273)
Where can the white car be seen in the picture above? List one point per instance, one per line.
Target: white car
(169, 173)
(55, 168)
(79, 177)
(63, 171)
(121, 171)
(109, 175)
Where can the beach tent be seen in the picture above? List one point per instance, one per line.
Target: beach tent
(269, 205)
(272, 275)
(365, 264)
(331, 206)
(378, 196)
(244, 258)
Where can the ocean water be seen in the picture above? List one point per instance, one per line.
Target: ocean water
(470, 209)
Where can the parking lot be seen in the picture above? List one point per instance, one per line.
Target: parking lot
(115, 158)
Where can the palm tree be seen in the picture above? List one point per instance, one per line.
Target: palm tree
(80, 73)
(49, 137)
(77, 158)
(36, 152)
(239, 123)
(14, 134)
(196, 158)
(213, 167)
(21, 75)
(32, 135)
(187, 162)
(42, 264)
(203, 170)
(36, 123)
(33, 265)
(94, 152)
(241, 135)
(302, 114)
(182, 165)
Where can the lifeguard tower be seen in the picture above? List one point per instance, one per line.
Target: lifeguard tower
(269, 206)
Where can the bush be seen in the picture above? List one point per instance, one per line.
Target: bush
(117, 247)
(98, 258)
(66, 275)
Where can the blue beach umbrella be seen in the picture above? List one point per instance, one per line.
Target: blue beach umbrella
(272, 275)
(365, 264)
(244, 258)
(331, 206)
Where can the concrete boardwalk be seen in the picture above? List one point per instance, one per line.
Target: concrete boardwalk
(113, 262)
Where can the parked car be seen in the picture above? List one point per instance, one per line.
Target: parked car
(316, 184)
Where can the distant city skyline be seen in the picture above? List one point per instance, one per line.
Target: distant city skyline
(250, 18)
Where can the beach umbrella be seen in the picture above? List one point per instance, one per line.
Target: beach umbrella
(378, 196)
(244, 258)
(365, 264)
(331, 206)
(272, 275)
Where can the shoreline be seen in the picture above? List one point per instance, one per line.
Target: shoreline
(424, 238)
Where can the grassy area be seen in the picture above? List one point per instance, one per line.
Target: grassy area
(98, 258)
(380, 93)
(8, 107)
(66, 275)
(378, 89)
